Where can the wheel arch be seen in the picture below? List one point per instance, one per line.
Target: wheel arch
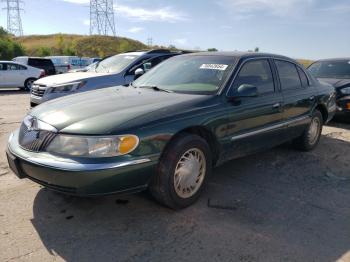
(204, 133)
(323, 109)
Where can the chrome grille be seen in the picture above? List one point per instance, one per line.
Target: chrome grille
(38, 90)
(35, 140)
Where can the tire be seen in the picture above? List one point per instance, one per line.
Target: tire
(311, 136)
(28, 84)
(189, 151)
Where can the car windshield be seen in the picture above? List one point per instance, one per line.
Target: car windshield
(193, 74)
(115, 64)
(330, 69)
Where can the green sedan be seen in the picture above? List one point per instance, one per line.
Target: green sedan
(169, 128)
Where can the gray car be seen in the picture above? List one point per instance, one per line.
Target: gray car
(116, 70)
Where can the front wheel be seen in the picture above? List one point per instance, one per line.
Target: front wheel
(182, 172)
(311, 136)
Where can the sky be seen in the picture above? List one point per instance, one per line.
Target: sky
(309, 29)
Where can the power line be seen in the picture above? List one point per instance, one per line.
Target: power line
(14, 21)
(102, 17)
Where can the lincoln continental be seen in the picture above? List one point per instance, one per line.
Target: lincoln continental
(167, 130)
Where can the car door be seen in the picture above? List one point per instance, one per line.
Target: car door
(15, 75)
(254, 123)
(2, 75)
(298, 95)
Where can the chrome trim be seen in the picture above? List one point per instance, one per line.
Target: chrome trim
(76, 166)
(270, 128)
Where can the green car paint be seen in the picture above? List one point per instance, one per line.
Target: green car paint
(232, 128)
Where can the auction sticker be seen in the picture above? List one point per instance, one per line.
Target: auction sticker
(214, 66)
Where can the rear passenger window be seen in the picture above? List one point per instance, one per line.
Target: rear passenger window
(289, 75)
(303, 77)
(257, 73)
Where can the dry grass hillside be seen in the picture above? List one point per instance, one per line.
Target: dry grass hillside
(64, 44)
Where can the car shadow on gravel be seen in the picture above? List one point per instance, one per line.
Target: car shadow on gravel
(7, 92)
(281, 205)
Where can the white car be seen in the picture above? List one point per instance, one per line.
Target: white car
(17, 75)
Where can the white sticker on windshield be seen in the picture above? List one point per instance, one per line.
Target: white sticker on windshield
(214, 66)
(129, 57)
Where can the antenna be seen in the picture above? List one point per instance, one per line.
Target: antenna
(14, 21)
(102, 17)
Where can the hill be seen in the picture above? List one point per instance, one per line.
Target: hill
(80, 45)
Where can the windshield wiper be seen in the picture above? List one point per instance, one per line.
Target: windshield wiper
(156, 88)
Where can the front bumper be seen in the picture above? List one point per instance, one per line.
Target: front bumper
(79, 177)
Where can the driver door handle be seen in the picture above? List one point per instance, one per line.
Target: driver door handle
(277, 105)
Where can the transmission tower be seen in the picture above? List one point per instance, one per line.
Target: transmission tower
(14, 22)
(102, 17)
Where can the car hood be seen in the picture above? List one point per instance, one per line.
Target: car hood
(336, 82)
(106, 111)
(67, 78)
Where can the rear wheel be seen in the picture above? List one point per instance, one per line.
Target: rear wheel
(182, 172)
(311, 136)
(28, 84)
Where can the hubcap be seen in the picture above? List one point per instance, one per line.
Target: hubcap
(314, 130)
(29, 84)
(189, 173)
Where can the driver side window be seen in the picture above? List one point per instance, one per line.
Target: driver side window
(257, 73)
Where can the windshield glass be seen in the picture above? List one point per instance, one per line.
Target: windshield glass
(330, 69)
(115, 64)
(189, 74)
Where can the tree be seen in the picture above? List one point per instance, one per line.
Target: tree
(8, 47)
(256, 50)
(44, 51)
(212, 49)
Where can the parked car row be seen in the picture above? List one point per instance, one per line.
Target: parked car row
(18, 75)
(115, 70)
(167, 129)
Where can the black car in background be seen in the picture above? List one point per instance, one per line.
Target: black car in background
(38, 62)
(337, 73)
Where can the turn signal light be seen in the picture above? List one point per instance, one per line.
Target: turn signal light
(127, 144)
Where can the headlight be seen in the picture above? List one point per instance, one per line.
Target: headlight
(86, 146)
(66, 87)
(345, 91)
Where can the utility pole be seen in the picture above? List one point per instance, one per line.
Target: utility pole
(102, 17)
(150, 41)
(14, 21)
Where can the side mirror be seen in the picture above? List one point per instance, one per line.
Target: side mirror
(246, 90)
(139, 72)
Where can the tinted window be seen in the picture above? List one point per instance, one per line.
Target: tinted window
(45, 64)
(330, 69)
(13, 67)
(288, 74)
(303, 77)
(2, 67)
(257, 73)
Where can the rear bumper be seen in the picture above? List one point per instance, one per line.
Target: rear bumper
(343, 105)
(77, 178)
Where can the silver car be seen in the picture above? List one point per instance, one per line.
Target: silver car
(115, 70)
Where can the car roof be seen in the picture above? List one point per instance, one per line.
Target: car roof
(334, 59)
(238, 54)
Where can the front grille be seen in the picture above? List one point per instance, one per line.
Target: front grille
(38, 90)
(35, 140)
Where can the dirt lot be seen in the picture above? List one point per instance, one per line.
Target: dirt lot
(281, 205)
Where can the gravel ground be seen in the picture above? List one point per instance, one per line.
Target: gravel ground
(282, 205)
